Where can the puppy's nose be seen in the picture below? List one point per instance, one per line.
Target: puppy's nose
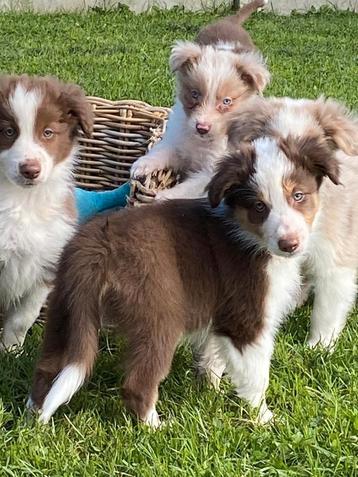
(288, 244)
(203, 128)
(30, 169)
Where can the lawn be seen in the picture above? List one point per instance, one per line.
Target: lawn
(313, 394)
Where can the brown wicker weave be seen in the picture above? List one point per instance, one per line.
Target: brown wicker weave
(123, 131)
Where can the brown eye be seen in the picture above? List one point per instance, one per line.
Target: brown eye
(260, 207)
(298, 196)
(48, 133)
(9, 132)
(195, 94)
(227, 101)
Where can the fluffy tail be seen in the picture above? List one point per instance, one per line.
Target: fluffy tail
(244, 12)
(71, 335)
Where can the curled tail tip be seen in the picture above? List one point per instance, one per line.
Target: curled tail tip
(246, 10)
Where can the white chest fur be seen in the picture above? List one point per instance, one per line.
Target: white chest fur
(284, 276)
(34, 228)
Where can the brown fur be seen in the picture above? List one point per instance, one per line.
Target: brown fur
(64, 109)
(229, 29)
(154, 289)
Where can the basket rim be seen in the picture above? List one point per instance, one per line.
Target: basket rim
(126, 103)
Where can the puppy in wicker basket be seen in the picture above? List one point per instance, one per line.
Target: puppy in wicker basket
(228, 268)
(39, 120)
(215, 75)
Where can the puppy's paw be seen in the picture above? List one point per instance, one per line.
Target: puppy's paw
(14, 349)
(264, 415)
(146, 165)
(152, 419)
(163, 195)
(323, 341)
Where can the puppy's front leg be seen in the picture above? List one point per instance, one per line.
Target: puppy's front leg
(208, 361)
(335, 293)
(19, 318)
(159, 158)
(249, 371)
(194, 187)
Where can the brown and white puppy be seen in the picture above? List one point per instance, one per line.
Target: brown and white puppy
(179, 268)
(331, 264)
(39, 120)
(215, 75)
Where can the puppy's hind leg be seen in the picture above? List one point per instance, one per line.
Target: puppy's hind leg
(148, 363)
(335, 293)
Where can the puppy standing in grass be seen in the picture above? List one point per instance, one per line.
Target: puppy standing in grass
(178, 268)
(39, 120)
(215, 75)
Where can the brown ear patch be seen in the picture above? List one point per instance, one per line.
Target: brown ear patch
(340, 126)
(253, 71)
(78, 108)
(233, 171)
(184, 55)
(251, 121)
(313, 154)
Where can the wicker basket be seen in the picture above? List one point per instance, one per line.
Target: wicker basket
(123, 131)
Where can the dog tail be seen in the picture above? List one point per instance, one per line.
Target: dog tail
(247, 10)
(71, 336)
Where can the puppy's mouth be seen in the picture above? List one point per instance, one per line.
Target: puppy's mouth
(25, 183)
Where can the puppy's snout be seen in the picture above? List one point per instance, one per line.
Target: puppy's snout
(30, 169)
(288, 244)
(203, 128)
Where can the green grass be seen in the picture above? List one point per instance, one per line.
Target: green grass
(313, 394)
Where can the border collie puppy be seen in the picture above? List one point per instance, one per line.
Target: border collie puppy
(331, 263)
(215, 75)
(39, 120)
(173, 269)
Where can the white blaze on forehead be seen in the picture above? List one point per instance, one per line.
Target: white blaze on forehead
(24, 104)
(272, 167)
(216, 66)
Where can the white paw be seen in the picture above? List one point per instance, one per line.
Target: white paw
(152, 419)
(146, 165)
(163, 195)
(14, 348)
(325, 341)
(264, 415)
(215, 381)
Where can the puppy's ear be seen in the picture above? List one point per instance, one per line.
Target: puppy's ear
(340, 126)
(184, 55)
(250, 121)
(232, 171)
(313, 154)
(78, 107)
(253, 71)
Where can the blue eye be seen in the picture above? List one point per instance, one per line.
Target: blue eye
(227, 101)
(195, 94)
(298, 196)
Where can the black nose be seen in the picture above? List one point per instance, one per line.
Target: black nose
(203, 128)
(30, 169)
(288, 245)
